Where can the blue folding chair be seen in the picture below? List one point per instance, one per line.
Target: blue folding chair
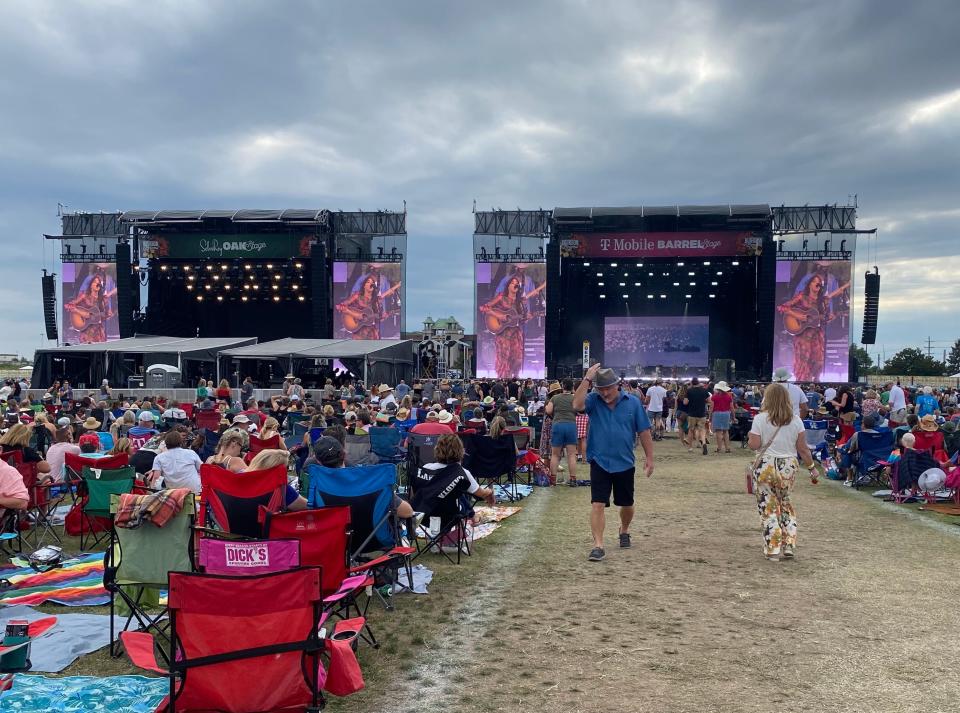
(106, 440)
(871, 449)
(210, 441)
(385, 442)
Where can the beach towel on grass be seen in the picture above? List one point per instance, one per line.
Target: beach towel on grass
(77, 583)
(86, 694)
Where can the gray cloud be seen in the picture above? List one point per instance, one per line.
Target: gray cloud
(364, 104)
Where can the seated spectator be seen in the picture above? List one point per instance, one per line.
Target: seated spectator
(912, 463)
(174, 414)
(927, 404)
(871, 404)
(17, 440)
(447, 419)
(440, 488)
(13, 493)
(951, 438)
(63, 444)
(229, 450)
(175, 467)
(90, 446)
(431, 426)
(271, 428)
(476, 421)
(122, 445)
(271, 458)
(145, 425)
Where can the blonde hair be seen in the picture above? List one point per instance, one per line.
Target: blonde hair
(236, 433)
(497, 426)
(270, 458)
(41, 417)
(229, 437)
(18, 435)
(224, 384)
(121, 446)
(776, 404)
(271, 423)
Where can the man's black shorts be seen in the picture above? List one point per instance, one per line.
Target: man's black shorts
(602, 482)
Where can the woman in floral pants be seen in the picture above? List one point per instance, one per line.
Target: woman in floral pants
(779, 437)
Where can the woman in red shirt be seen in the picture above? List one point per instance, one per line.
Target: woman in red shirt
(722, 401)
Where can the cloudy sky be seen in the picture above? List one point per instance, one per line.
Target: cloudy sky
(121, 105)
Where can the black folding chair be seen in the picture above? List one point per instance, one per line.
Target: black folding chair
(493, 460)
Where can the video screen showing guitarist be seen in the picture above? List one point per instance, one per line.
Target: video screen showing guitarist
(806, 317)
(370, 307)
(90, 315)
(506, 315)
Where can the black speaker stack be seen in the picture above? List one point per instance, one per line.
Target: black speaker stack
(320, 300)
(125, 288)
(49, 284)
(871, 307)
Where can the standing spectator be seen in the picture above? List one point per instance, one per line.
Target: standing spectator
(778, 434)
(246, 390)
(615, 421)
(696, 407)
(722, 402)
(927, 404)
(563, 432)
(654, 400)
(202, 391)
(898, 404)
(402, 389)
(871, 404)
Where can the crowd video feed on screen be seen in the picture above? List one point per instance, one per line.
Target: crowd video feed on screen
(812, 330)
(635, 344)
(89, 293)
(368, 300)
(511, 306)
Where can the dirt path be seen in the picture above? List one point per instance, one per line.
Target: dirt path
(693, 618)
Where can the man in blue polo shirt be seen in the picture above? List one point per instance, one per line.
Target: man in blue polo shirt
(615, 420)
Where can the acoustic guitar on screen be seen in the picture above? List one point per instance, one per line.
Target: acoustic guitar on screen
(797, 320)
(355, 319)
(498, 320)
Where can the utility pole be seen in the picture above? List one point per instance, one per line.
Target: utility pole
(929, 347)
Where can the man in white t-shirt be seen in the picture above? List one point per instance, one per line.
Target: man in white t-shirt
(179, 467)
(797, 398)
(898, 405)
(654, 400)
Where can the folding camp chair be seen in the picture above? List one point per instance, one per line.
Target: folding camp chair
(249, 557)
(11, 541)
(106, 440)
(210, 441)
(259, 444)
(359, 450)
(230, 503)
(293, 420)
(240, 644)
(369, 492)
(140, 559)
(872, 448)
(44, 499)
(453, 524)
(74, 465)
(299, 430)
(385, 442)
(420, 451)
(493, 460)
(323, 536)
(208, 419)
(526, 458)
(188, 410)
(96, 487)
(930, 441)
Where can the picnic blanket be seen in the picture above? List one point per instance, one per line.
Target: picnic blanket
(77, 583)
(86, 694)
(71, 637)
(157, 507)
(942, 508)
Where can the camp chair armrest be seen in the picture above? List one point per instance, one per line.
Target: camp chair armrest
(390, 556)
(140, 649)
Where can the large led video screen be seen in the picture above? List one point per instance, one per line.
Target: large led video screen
(368, 300)
(89, 295)
(812, 329)
(511, 307)
(631, 342)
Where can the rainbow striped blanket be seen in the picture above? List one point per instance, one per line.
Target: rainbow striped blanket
(78, 582)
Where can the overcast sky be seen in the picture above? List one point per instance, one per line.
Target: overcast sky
(127, 105)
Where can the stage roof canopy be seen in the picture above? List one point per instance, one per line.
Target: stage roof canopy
(384, 349)
(250, 215)
(190, 347)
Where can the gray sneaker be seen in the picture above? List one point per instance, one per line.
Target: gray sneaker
(596, 554)
(625, 539)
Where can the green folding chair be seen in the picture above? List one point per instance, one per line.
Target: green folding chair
(136, 566)
(97, 486)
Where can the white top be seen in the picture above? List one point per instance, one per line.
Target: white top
(796, 396)
(656, 394)
(180, 468)
(897, 398)
(785, 445)
(474, 485)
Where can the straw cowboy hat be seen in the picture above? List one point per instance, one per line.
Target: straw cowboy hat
(384, 388)
(554, 389)
(929, 423)
(445, 416)
(721, 386)
(91, 424)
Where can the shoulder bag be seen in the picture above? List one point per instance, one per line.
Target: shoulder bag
(756, 461)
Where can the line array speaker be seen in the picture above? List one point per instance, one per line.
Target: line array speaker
(871, 307)
(49, 284)
(125, 287)
(554, 300)
(320, 298)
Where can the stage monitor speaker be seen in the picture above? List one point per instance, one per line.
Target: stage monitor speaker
(125, 288)
(871, 307)
(49, 284)
(853, 374)
(321, 307)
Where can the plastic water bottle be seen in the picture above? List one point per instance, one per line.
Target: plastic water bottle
(434, 526)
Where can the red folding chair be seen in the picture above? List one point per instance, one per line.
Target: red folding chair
(187, 409)
(324, 537)
(248, 558)
(231, 503)
(240, 644)
(258, 444)
(208, 419)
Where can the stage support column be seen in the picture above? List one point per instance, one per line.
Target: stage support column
(766, 305)
(554, 302)
(320, 304)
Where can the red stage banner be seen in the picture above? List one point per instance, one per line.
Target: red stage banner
(630, 245)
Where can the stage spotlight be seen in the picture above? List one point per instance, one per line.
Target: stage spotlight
(676, 284)
(209, 266)
(691, 274)
(663, 297)
(256, 287)
(301, 298)
(649, 297)
(189, 287)
(735, 262)
(639, 264)
(269, 265)
(163, 268)
(295, 287)
(679, 264)
(706, 262)
(712, 296)
(665, 274)
(186, 268)
(276, 287)
(626, 274)
(719, 272)
(276, 298)
(219, 298)
(693, 284)
(216, 277)
(603, 297)
(226, 287)
(713, 283)
(623, 284)
(244, 298)
(626, 297)
(199, 298)
(651, 274)
(613, 264)
(191, 278)
(276, 277)
(599, 274)
(636, 284)
(600, 284)
(298, 265)
(207, 287)
(687, 296)
(224, 267)
(248, 267)
(586, 264)
(246, 287)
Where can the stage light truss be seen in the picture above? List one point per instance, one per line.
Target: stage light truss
(813, 219)
(820, 255)
(510, 257)
(367, 223)
(355, 256)
(534, 223)
(244, 280)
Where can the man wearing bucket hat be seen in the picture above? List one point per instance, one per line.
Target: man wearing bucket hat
(615, 421)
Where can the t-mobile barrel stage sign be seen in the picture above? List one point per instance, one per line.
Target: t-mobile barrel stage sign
(632, 245)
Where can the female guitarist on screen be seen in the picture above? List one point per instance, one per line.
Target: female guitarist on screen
(363, 311)
(505, 316)
(89, 311)
(805, 316)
